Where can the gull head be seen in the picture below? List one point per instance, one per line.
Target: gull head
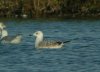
(2, 25)
(38, 34)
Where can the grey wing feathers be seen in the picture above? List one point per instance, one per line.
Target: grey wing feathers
(50, 43)
(8, 38)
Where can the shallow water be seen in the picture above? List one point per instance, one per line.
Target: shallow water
(82, 54)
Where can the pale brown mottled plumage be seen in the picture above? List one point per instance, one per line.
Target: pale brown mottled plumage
(40, 43)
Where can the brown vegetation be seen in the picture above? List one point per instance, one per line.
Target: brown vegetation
(46, 8)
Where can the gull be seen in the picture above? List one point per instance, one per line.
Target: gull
(10, 39)
(41, 43)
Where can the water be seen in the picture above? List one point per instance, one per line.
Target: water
(82, 54)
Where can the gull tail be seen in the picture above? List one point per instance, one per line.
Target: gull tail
(66, 41)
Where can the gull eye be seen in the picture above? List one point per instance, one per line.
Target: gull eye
(36, 33)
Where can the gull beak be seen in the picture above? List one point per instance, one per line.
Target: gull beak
(30, 34)
(34, 34)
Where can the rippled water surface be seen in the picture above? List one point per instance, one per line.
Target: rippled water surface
(82, 54)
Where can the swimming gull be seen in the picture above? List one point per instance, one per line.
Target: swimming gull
(10, 39)
(41, 43)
